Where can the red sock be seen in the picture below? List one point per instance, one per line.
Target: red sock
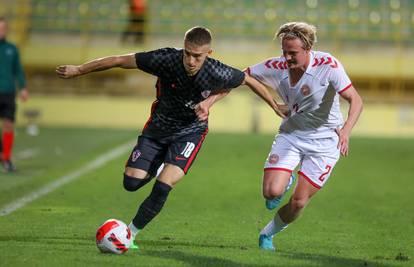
(7, 141)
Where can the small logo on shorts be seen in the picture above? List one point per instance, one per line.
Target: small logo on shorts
(180, 158)
(206, 93)
(273, 159)
(305, 90)
(135, 155)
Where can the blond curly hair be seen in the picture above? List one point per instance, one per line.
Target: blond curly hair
(301, 30)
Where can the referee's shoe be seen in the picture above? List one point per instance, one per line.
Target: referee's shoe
(8, 166)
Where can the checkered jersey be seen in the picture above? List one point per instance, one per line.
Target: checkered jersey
(177, 93)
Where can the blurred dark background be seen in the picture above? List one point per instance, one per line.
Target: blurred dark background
(373, 38)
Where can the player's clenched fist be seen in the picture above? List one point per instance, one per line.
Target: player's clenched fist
(202, 110)
(68, 71)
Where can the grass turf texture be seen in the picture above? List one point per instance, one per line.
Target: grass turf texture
(363, 217)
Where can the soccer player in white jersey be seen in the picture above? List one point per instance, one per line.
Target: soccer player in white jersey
(313, 133)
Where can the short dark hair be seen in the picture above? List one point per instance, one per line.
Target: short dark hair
(198, 35)
(2, 18)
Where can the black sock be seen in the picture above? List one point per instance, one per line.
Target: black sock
(152, 205)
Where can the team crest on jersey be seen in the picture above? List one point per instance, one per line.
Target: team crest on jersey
(305, 90)
(135, 155)
(206, 93)
(273, 159)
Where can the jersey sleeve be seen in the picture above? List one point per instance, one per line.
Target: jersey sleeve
(234, 79)
(338, 77)
(263, 74)
(154, 62)
(18, 70)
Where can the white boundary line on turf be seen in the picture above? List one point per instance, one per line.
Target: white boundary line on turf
(26, 154)
(98, 162)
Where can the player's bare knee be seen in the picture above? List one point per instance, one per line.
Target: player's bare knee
(8, 125)
(272, 192)
(137, 173)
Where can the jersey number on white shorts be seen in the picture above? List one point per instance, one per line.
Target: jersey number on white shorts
(328, 169)
(188, 149)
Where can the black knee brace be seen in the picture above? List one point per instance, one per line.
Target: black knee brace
(133, 184)
(152, 205)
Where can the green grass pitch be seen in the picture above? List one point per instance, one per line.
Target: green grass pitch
(364, 216)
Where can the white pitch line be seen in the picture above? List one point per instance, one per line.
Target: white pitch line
(98, 162)
(26, 154)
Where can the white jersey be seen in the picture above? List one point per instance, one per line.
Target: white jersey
(313, 101)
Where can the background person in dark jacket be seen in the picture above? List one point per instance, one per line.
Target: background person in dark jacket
(11, 77)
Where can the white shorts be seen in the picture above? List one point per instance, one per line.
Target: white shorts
(316, 157)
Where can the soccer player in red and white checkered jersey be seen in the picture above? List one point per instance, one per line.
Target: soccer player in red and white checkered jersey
(313, 134)
(189, 82)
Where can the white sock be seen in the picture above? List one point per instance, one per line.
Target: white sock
(134, 230)
(274, 226)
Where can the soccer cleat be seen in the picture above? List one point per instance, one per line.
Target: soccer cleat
(8, 166)
(273, 203)
(134, 246)
(266, 242)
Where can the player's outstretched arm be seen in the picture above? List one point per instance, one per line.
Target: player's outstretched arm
(202, 108)
(262, 91)
(121, 61)
(355, 108)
